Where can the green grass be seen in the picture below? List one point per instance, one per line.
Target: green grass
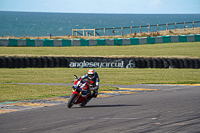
(15, 92)
(107, 75)
(187, 49)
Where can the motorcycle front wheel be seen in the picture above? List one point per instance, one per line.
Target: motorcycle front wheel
(71, 100)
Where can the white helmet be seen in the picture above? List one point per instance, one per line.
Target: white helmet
(91, 74)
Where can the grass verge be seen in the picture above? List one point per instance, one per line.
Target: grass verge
(107, 75)
(15, 92)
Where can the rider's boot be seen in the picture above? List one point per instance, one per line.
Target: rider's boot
(95, 93)
(86, 101)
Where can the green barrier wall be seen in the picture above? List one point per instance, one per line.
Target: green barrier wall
(197, 38)
(118, 42)
(66, 43)
(134, 41)
(183, 38)
(101, 42)
(30, 42)
(48, 43)
(166, 39)
(84, 42)
(150, 40)
(13, 42)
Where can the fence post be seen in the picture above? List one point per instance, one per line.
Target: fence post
(104, 31)
(157, 27)
(83, 32)
(149, 29)
(113, 31)
(94, 32)
(166, 26)
(184, 25)
(193, 25)
(122, 31)
(72, 32)
(131, 28)
(175, 26)
(140, 29)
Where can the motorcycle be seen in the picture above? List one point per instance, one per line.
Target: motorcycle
(80, 93)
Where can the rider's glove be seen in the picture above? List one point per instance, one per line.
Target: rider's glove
(75, 87)
(94, 88)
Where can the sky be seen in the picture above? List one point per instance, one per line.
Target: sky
(104, 6)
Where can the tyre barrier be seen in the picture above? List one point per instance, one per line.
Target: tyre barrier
(86, 62)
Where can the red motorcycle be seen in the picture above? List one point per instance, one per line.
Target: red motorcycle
(80, 93)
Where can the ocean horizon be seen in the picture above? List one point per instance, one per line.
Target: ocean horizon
(59, 24)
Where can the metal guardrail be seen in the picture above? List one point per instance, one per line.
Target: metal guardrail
(94, 32)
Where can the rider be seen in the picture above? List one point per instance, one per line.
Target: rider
(93, 82)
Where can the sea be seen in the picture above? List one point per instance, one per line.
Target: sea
(60, 24)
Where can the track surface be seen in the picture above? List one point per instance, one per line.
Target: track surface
(171, 109)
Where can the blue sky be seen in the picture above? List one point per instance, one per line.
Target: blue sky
(103, 6)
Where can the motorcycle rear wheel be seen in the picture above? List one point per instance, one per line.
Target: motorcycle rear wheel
(71, 100)
(83, 104)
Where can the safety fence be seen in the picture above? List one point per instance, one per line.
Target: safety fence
(98, 42)
(136, 29)
(97, 62)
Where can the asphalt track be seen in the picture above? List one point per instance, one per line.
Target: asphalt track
(171, 109)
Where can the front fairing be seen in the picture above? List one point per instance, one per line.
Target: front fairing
(82, 94)
(80, 88)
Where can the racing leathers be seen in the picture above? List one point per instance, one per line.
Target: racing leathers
(93, 84)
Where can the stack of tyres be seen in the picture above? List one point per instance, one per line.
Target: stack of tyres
(21, 62)
(44, 62)
(191, 63)
(149, 63)
(33, 62)
(143, 63)
(16, 62)
(10, 62)
(56, 62)
(196, 63)
(1, 66)
(185, 63)
(155, 63)
(50, 62)
(62, 62)
(165, 63)
(137, 63)
(27, 63)
(179, 63)
(4, 63)
(159, 63)
(39, 62)
(172, 63)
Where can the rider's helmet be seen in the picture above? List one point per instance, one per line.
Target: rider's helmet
(91, 74)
